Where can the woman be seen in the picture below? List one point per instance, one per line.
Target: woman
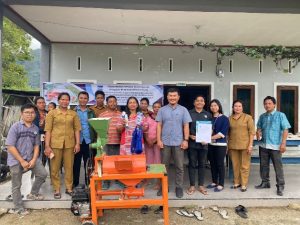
(62, 142)
(134, 118)
(217, 149)
(51, 106)
(240, 144)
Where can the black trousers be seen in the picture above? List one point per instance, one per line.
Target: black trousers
(265, 155)
(216, 156)
(82, 154)
(197, 157)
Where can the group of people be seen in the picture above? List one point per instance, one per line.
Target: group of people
(62, 136)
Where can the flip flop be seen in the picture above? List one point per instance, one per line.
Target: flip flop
(190, 191)
(214, 208)
(203, 191)
(235, 186)
(198, 215)
(186, 213)
(179, 212)
(241, 211)
(223, 213)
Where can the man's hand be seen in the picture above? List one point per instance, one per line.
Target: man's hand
(25, 165)
(160, 144)
(48, 151)
(31, 163)
(77, 148)
(282, 147)
(184, 145)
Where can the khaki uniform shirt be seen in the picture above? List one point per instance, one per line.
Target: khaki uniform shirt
(98, 110)
(62, 128)
(239, 132)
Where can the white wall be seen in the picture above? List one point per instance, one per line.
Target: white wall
(156, 68)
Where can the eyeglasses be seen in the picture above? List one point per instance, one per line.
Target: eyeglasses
(29, 113)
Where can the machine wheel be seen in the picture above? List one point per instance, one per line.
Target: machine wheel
(89, 170)
(3, 172)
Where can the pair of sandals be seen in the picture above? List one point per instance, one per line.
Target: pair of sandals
(242, 188)
(192, 190)
(195, 213)
(223, 213)
(57, 195)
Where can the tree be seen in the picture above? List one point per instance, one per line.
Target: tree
(15, 49)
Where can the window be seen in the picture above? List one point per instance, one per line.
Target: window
(200, 65)
(245, 93)
(170, 65)
(230, 66)
(287, 102)
(140, 65)
(109, 64)
(290, 69)
(78, 63)
(260, 66)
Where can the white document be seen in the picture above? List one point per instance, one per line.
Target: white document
(203, 131)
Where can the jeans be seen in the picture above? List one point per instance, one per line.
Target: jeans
(178, 156)
(197, 157)
(265, 155)
(216, 156)
(16, 181)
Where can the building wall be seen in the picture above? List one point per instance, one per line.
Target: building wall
(94, 66)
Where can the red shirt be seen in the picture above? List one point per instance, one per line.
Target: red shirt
(114, 137)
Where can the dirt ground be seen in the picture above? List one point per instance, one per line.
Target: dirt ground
(257, 216)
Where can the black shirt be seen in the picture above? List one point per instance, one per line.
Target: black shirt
(196, 116)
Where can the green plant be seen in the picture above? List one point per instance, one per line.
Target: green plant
(276, 52)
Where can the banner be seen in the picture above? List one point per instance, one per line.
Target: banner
(122, 91)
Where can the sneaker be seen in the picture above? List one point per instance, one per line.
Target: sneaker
(21, 212)
(179, 192)
(37, 197)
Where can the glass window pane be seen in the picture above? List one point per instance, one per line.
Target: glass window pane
(287, 105)
(245, 96)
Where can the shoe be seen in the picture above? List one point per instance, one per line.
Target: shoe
(179, 192)
(159, 210)
(37, 197)
(210, 186)
(57, 195)
(145, 209)
(105, 185)
(21, 212)
(280, 190)
(219, 188)
(263, 185)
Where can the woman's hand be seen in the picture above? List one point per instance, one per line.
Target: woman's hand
(77, 148)
(249, 150)
(48, 151)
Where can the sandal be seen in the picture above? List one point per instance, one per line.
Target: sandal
(57, 195)
(191, 190)
(223, 213)
(243, 189)
(71, 193)
(198, 215)
(214, 208)
(186, 213)
(219, 188)
(202, 190)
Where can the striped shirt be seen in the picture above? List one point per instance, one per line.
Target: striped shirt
(114, 137)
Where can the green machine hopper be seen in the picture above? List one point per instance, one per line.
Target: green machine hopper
(100, 125)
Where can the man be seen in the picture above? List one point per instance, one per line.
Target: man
(197, 152)
(114, 136)
(173, 136)
(23, 142)
(272, 131)
(87, 136)
(144, 104)
(99, 107)
(39, 121)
